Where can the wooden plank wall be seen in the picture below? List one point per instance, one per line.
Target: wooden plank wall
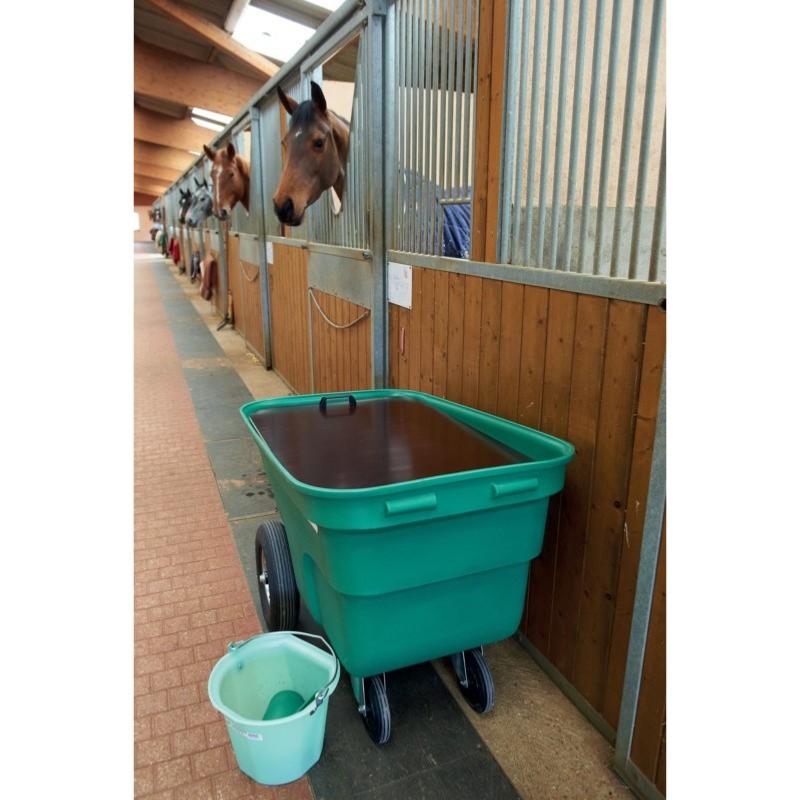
(342, 358)
(587, 369)
(288, 282)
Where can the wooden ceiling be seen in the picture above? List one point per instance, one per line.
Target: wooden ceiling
(185, 57)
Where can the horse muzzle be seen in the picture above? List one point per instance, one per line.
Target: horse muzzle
(286, 213)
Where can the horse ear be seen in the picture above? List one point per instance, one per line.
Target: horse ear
(197, 183)
(318, 97)
(287, 102)
(230, 150)
(209, 151)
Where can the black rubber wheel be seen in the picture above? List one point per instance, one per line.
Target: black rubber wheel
(277, 589)
(479, 691)
(377, 718)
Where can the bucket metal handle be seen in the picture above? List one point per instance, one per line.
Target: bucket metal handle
(320, 696)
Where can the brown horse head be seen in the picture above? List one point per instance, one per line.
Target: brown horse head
(315, 154)
(230, 179)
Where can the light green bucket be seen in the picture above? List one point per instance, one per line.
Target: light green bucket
(258, 681)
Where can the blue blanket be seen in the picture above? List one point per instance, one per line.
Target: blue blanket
(456, 233)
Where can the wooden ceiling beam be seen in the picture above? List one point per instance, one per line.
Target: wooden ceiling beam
(182, 134)
(143, 185)
(162, 156)
(166, 76)
(159, 171)
(144, 198)
(216, 37)
(161, 174)
(151, 181)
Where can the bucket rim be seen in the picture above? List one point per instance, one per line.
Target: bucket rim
(308, 710)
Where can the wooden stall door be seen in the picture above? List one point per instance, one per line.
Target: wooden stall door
(235, 283)
(251, 310)
(342, 358)
(288, 290)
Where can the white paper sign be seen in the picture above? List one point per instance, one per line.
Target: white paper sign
(269, 253)
(399, 288)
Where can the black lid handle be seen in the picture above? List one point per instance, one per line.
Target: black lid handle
(351, 403)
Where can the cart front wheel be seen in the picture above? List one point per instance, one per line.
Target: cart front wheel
(479, 688)
(377, 717)
(277, 589)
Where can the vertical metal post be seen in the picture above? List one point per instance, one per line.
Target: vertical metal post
(548, 101)
(390, 121)
(471, 89)
(645, 582)
(575, 134)
(658, 224)
(608, 125)
(647, 128)
(436, 92)
(258, 207)
(588, 169)
(511, 130)
(377, 111)
(560, 114)
(534, 129)
(627, 131)
(520, 154)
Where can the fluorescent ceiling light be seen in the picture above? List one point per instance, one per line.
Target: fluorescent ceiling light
(271, 35)
(195, 153)
(204, 123)
(204, 113)
(331, 5)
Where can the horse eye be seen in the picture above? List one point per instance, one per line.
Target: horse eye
(319, 143)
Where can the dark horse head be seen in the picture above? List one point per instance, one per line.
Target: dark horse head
(201, 207)
(184, 204)
(230, 179)
(315, 155)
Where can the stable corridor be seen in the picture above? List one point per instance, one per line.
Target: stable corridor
(191, 597)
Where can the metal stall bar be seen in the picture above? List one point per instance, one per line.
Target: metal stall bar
(575, 133)
(627, 131)
(459, 88)
(548, 102)
(471, 83)
(444, 94)
(430, 133)
(258, 206)
(534, 128)
(419, 125)
(658, 225)
(433, 239)
(409, 134)
(647, 128)
(380, 107)
(608, 125)
(390, 127)
(511, 128)
(400, 21)
(588, 170)
(451, 78)
(520, 154)
(566, 27)
(643, 601)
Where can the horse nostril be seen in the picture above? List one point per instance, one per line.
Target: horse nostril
(286, 212)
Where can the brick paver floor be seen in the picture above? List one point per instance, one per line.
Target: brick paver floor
(191, 598)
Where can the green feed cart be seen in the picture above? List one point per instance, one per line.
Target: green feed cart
(410, 523)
